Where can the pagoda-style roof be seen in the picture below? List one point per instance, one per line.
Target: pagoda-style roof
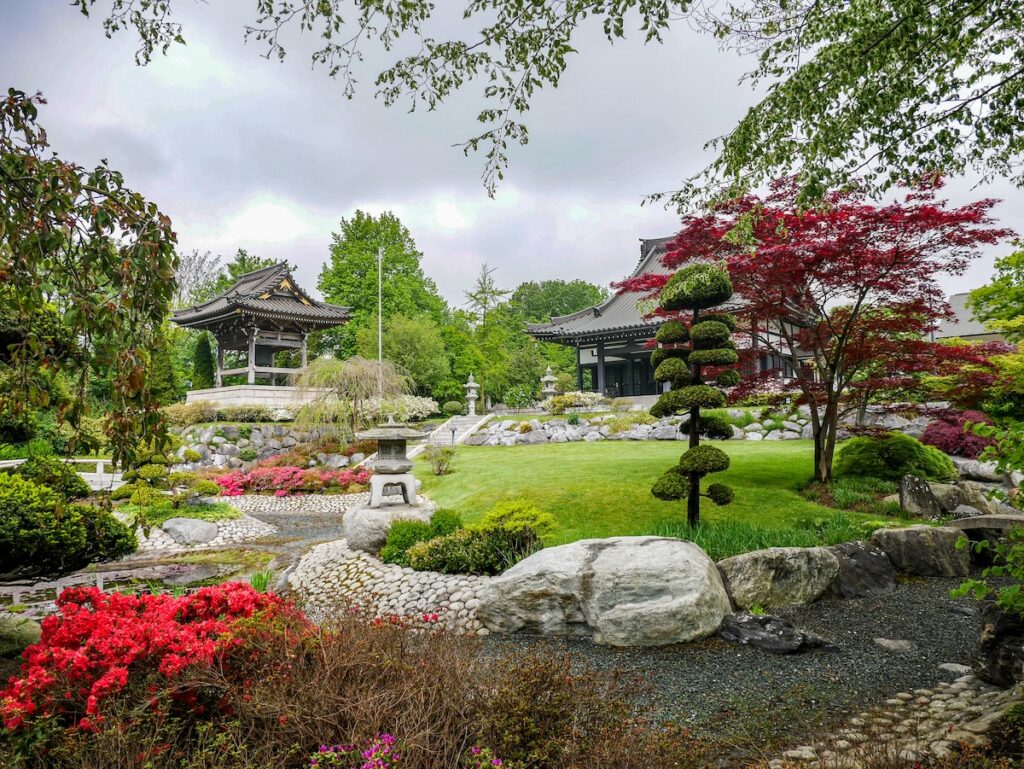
(620, 317)
(268, 298)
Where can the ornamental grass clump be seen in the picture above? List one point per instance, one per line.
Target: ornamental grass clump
(685, 358)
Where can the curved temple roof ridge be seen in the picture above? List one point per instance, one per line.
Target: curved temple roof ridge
(269, 293)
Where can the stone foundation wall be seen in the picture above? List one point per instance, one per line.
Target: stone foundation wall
(238, 445)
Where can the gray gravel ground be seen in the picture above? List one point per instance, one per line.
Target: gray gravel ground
(740, 694)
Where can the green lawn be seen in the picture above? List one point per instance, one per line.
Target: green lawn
(602, 489)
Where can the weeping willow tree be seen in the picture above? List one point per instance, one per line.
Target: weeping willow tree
(337, 389)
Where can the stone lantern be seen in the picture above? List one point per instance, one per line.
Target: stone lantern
(471, 396)
(392, 467)
(547, 384)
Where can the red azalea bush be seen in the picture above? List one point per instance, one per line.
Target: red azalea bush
(98, 641)
(949, 433)
(283, 481)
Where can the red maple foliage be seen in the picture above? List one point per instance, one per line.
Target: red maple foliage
(845, 293)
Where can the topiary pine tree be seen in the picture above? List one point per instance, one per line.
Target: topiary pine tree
(202, 364)
(682, 358)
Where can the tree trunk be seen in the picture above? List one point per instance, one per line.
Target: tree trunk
(693, 497)
(825, 443)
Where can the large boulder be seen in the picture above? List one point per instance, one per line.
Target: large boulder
(366, 528)
(779, 576)
(864, 571)
(924, 551)
(16, 633)
(917, 498)
(190, 531)
(623, 591)
(999, 653)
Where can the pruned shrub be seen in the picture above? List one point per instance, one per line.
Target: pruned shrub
(191, 456)
(244, 414)
(59, 476)
(672, 370)
(40, 533)
(892, 456)
(672, 332)
(509, 532)
(248, 454)
(404, 534)
(722, 356)
(452, 408)
(671, 486)
(728, 378)
(703, 459)
(951, 433)
(185, 414)
(696, 286)
(681, 401)
(711, 426)
(709, 334)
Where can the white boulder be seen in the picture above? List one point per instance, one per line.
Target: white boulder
(623, 591)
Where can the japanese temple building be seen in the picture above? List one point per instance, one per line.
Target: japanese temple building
(611, 338)
(263, 313)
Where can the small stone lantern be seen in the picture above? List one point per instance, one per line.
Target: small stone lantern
(391, 467)
(547, 384)
(471, 396)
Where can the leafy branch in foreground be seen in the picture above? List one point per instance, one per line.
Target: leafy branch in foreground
(884, 91)
(87, 269)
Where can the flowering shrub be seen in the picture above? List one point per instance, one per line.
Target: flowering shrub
(283, 481)
(97, 640)
(379, 753)
(402, 408)
(949, 433)
(557, 404)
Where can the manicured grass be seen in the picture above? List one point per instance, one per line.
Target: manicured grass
(602, 489)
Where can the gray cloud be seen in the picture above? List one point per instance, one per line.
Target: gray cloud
(245, 152)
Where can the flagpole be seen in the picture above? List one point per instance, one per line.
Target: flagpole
(380, 323)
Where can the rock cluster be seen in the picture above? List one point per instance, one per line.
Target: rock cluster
(185, 534)
(622, 591)
(366, 528)
(227, 445)
(976, 492)
(773, 427)
(332, 578)
(910, 726)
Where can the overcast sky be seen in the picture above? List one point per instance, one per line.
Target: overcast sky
(244, 152)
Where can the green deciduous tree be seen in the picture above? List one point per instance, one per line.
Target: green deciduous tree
(102, 256)
(414, 345)
(350, 277)
(241, 264)
(1000, 304)
(884, 90)
(485, 294)
(542, 300)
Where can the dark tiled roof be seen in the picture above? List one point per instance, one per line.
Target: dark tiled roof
(621, 315)
(261, 294)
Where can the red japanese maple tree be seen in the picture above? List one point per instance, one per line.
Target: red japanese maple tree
(844, 293)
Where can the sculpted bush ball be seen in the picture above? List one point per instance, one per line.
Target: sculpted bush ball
(684, 358)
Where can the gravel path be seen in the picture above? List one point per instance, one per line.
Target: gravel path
(737, 693)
